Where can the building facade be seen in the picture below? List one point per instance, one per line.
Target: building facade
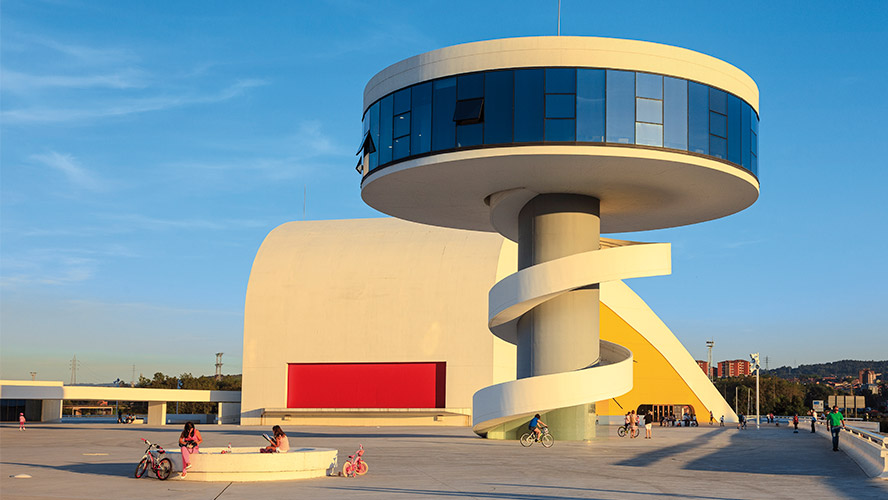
(733, 368)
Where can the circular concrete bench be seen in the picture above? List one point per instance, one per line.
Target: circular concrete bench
(247, 464)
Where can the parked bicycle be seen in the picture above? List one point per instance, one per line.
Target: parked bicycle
(545, 439)
(624, 431)
(355, 465)
(160, 465)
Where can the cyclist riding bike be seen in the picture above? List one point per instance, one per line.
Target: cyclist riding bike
(536, 426)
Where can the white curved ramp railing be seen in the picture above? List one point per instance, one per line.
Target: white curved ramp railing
(519, 293)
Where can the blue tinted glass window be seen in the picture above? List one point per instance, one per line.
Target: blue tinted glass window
(744, 139)
(470, 86)
(648, 85)
(718, 124)
(590, 105)
(468, 111)
(560, 130)
(698, 118)
(528, 105)
(374, 133)
(718, 147)
(649, 134)
(443, 104)
(401, 148)
(385, 130)
(718, 101)
(421, 119)
(401, 125)
(735, 130)
(675, 113)
(559, 106)
(755, 166)
(648, 110)
(469, 135)
(620, 107)
(561, 80)
(402, 101)
(753, 143)
(499, 95)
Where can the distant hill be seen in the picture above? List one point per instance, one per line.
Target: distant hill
(838, 369)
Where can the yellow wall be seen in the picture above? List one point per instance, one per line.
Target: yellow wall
(654, 380)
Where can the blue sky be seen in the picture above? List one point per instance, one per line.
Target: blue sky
(147, 148)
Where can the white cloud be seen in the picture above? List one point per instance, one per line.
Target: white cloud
(14, 81)
(124, 107)
(72, 170)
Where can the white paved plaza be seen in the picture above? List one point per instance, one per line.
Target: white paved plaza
(705, 463)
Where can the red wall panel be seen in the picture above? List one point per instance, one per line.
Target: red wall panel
(366, 385)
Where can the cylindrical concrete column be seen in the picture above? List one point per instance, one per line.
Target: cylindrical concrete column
(561, 334)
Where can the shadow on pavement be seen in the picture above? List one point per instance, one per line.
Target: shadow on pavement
(100, 469)
(581, 493)
(602, 490)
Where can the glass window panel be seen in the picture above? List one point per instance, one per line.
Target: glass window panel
(590, 105)
(754, 143)
(401, 148)
(620, 107)
(675, 113)
(718, 124)
(755, 122)
(499, 92)
(735, 130)
(745, 132)
(648, 85)
(528, 105)
(698, 118)
(718, 101)
(385, 130)
(468, 111)
(755, 165)
(648, 110)
(560, 130)
(402, 101)
(561, 80)
(649, 134)
(718, 147)
(374, 133)
(470, 86)
(421, 119)
(401, 125)
(443, 104)
(469, 135)
(560, 106)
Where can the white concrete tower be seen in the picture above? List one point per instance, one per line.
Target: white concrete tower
(551, 141)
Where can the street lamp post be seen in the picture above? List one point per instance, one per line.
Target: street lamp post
(709, 344)
(757, 367)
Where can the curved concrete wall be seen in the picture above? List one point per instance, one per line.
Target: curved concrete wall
(371, 290)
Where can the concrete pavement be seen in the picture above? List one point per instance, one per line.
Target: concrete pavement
(705, 463)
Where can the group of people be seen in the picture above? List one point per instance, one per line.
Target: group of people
(687, 420)
(190, 439)
(632, 419)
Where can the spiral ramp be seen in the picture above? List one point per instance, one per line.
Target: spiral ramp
(609, 376)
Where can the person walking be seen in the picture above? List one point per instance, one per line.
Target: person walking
(795, 423)
(711, 418)
(721, 421)
(648, 424)
(21, 421)
(633, 424)
(836, 419)
(813, 421)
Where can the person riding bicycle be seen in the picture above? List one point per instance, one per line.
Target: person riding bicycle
(536, 426)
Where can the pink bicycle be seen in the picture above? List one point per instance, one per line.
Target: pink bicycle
(355, 465)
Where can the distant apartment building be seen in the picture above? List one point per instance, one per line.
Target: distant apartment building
(704, 365)
(733, 368)
(867, 376)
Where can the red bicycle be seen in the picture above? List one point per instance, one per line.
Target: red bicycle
(355, 465)
(162, 467)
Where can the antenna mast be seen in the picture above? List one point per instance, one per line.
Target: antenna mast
(559, 17)
(219, 365)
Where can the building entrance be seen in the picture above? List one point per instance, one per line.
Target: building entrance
(667, 411)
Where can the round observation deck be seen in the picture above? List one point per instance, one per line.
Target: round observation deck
(465, 135)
